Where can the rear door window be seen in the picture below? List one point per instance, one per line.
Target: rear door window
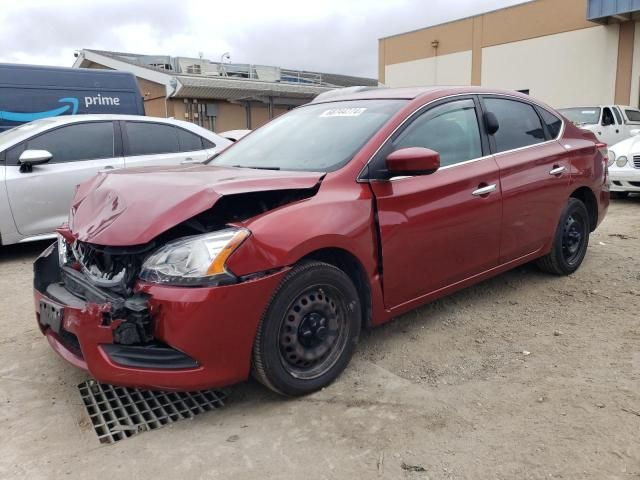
(146, 138)
(553, 123)
(82, 141)
(189, 142)
(519, 124)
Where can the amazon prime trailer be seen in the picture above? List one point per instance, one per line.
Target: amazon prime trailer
(31, 92)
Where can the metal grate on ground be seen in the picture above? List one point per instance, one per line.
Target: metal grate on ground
(117, 413)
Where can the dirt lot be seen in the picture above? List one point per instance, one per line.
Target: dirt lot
(448, 391)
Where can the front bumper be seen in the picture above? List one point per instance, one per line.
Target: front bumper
(624, 180)
(202, 337)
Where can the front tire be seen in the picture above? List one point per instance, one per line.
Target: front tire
(570, 240)
(309, 331)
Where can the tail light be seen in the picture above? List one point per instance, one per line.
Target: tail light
(604, 151)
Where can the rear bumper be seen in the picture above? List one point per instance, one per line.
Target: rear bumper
(202, 337)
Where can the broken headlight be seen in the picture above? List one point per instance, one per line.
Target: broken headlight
(195, 260)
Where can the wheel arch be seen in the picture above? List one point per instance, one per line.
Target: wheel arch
(348, 263)
(586, 196)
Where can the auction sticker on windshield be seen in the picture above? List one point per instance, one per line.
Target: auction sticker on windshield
(343, 112)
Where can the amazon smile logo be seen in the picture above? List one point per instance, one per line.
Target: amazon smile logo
(71, 108)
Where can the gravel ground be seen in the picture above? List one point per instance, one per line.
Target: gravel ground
(523, 376)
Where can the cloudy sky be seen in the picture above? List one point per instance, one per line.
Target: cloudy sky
(337, 36)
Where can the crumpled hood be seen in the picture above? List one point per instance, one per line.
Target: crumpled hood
(132, 206)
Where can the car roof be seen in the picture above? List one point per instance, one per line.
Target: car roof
(39, 126)
(409, 93)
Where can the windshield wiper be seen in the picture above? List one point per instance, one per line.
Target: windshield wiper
(256, 167)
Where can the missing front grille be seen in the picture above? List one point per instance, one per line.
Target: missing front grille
(117, 413)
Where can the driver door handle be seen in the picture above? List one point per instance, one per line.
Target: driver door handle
(484, 190)
(107, 168)
(556, 170)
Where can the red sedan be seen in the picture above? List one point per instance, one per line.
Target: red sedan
(334, 217)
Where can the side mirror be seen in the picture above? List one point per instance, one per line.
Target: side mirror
(29, 158)
(607, 121)
(412, 161)
(634, 132)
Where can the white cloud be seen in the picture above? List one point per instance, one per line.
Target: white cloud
(330, 35)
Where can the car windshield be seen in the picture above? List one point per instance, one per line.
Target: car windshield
(583, 115)
(321, 137)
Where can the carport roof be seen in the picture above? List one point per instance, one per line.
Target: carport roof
(236, 89)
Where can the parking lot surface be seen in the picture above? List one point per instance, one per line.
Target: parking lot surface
(523, 376)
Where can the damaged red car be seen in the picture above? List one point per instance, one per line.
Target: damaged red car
(335, 217)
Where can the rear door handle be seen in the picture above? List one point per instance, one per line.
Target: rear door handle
(484, 190)
(107, 168)
(557, 170)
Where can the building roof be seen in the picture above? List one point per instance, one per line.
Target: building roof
(215, 80)
(603, 11)
(148, 61)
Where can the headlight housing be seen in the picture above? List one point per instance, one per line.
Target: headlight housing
(612, 158)
(621, 161)
(194, 261)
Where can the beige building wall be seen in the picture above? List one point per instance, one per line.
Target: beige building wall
(451, 69)
(154, 98)
(231, 116)
(634, 98)
(518, 48)
(259, 115)
(571, 68)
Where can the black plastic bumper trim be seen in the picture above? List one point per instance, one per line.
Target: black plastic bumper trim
(159, 357)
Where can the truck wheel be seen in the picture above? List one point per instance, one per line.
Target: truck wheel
(309, 331)
(619, 195)
(570, 241)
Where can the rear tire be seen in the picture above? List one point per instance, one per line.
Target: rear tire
(570, 240)
(309, 331)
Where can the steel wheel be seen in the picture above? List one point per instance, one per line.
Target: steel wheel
(570, 240)
(309, 331)
(313, 332)
(574, 233)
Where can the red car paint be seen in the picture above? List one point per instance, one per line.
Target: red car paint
(415, 240)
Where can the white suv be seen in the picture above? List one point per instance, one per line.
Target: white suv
(610, 123)
(42, 162)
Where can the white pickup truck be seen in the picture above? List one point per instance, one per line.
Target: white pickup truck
(610, 123)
